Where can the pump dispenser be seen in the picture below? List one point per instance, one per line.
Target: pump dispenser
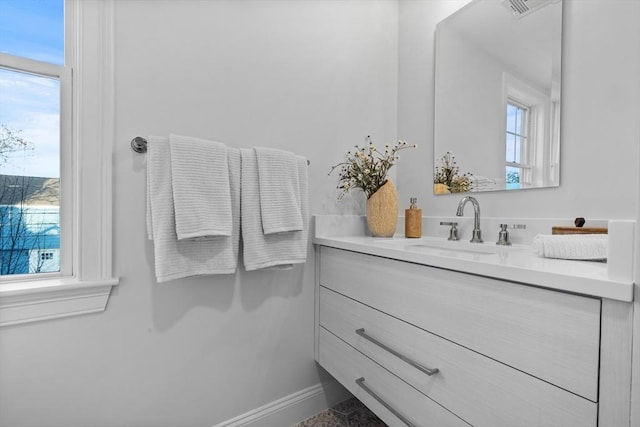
(413, 220)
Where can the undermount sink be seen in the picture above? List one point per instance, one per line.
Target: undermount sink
(475, 248)
(448, 247)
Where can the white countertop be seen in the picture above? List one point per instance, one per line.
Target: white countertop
(516, 263)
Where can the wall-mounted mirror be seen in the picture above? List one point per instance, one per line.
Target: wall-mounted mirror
(497, 96)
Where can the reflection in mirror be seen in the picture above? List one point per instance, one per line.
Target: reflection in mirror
(497, 96)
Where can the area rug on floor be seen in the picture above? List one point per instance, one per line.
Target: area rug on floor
(350, 413)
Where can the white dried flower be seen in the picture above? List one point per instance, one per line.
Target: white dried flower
(367, 169)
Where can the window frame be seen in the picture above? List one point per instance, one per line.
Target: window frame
(86, 282)
(64, 74)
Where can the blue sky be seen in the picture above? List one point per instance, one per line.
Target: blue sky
(32, 29)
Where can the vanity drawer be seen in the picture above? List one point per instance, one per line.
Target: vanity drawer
(348, 365)
(474, 387)
(550, 335)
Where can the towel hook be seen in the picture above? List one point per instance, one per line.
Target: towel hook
(139, 144)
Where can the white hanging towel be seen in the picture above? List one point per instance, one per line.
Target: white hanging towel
(175, 258)
(201, 192)
(572, 246)
(280, 204)
(262, 250)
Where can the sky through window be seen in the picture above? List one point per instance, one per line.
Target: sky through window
(29, 104)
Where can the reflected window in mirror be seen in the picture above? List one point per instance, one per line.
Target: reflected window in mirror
(528, 114)
(517, 169)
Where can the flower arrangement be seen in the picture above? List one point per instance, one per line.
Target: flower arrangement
(366, 168)
(447, 178)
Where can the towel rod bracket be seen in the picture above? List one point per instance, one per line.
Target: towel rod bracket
(139, 144)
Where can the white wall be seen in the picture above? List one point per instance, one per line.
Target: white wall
(470, 106)
(313, 77)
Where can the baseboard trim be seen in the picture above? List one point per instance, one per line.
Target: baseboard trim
(291, 409)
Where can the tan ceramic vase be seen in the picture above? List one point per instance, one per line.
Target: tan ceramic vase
(382, 211)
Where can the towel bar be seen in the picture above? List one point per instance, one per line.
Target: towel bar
(139, 145)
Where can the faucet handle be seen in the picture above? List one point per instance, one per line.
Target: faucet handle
(503, 234)
(504, 227)
(453, 231)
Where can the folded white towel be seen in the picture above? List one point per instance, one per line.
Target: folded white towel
(148, 218)
(175, 258)
(201, 194)
(279, 190)
(572, 246)
(268, 250)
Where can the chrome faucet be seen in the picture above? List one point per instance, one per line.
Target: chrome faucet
(477, 234)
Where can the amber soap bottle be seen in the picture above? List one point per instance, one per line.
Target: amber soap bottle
(413, 220)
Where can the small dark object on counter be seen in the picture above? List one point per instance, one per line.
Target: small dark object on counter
(579, 222)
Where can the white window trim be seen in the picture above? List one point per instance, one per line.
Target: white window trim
(88, 288)
(64, 76)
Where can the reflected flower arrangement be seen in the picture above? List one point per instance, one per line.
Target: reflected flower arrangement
(447, 178)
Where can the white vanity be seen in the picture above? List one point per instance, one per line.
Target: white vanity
(429, 335)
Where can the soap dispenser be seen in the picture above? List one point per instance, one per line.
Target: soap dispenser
(413, 220)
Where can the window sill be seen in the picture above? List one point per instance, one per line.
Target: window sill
(32, 301)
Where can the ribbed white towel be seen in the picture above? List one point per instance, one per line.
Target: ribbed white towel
(175, 258)
(201, 194)
(269, 250)
(149, 221)
(280, 204)
(572, 246)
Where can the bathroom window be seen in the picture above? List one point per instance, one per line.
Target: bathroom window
(517, 144)
(35, 123)
(55, 158)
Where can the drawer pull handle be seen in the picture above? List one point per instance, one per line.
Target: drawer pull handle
(360, 382)
(428, 371)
